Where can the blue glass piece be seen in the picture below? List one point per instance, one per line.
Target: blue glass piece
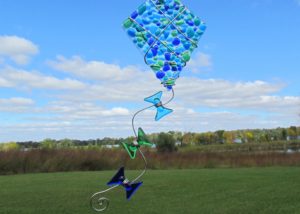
(161, 112)
(190, 23)
(134, 15)
(150, 41)
(160, 75)
(154, 99)
(168, 56)
(154, 51)
(131, 32)
(131, 189)
(118, 178)
(176, 41)
(169, 87)
(166, 67)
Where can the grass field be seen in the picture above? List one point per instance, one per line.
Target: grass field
(249, 190)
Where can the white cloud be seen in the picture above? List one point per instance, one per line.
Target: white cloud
(29, 80)
(5, 83)
(16, 104)
(225, 94)
(82, 110)
(99, 102)
(95, 70)
(193, 91)
(17, 49)
(200, 63)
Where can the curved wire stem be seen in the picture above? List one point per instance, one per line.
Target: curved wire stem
(133, 128)
(145, 167)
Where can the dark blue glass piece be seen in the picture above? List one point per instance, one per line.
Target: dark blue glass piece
(160, 75)
(118, 178)
(134, 15)
(154, 51)
(167, 67)
(168, 56)
(131, 189)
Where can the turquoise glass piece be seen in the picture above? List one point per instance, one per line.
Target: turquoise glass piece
(161, 112)
(156, 101)
(167, 33)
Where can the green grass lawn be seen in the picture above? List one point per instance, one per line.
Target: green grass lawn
(252, 190)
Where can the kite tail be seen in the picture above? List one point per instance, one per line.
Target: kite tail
(100, 203)
(135, 134)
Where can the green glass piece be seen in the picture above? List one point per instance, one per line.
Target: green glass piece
(169, 82)
(142, 138)
(197, 21)
(155, 67)
(180, 22)
(160, 63)
(186, 56)
(161, 1)
(127, 23)
(131, 150)
(172, 63)
(174, 33)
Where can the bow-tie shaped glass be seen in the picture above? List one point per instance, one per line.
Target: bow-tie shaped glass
(120, 179)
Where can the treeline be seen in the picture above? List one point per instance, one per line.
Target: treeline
(63, 160)
(178, 138)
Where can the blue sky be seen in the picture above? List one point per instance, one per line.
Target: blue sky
(67, 69)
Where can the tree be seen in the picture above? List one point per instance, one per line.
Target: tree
(220, 136)
(187, 138)
(292, 132)
(284, 134)
(65, 143)
(165, 143)
(229, 137)
(48, 144)
(10, 146)
(249, 136)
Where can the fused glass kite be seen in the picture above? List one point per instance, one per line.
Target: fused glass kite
(142, 140)
(167, 33)
(120, 179)
(156, 101)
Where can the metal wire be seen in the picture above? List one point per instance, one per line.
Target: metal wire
(99, 203)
